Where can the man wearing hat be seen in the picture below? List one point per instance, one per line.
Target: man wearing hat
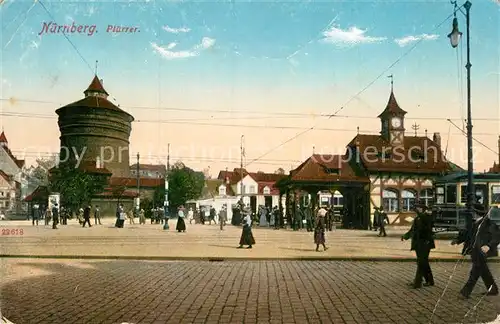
(480, 245)
(382, 219)
(422, 242)
(376, 217)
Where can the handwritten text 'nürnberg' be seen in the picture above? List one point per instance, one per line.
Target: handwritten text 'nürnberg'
(89, 30)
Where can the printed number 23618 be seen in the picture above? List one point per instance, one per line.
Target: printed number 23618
(14, 231)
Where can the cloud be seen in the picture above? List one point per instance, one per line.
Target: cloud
(206, 43)
(171, 55)
(167, 53)
(351, 36)
(404, 41)
(176, 30)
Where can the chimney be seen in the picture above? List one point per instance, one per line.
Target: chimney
(437, 139)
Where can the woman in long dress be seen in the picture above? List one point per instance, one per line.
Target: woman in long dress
(181, 225)
(246, 234)
(319, 230)
(263, 216)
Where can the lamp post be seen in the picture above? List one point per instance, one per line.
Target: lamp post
(455, 37)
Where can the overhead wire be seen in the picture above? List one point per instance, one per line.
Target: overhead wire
(270, 114)
(384, 72)
(474, 139)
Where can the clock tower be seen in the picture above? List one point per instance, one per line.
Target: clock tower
(392, 119)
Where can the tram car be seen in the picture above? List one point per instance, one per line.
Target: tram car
(450, 197)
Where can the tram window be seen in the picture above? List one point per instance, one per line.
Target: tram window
(451, 194)
(341, 201)
(495, 194)
(463, 194)
(440, 195)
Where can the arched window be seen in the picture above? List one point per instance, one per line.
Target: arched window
(390, 200)
(222, 190)
(408, 197)
(427, 196)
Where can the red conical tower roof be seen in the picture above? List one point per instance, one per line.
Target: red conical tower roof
(392, 107)
(96, 86)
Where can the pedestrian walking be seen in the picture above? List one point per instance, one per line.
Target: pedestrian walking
(47, 215)
(120, 216)
(223, 217)
(181, 225)
(319, 229)
(482, 244)
(422, 242)
(191, 215)
(382, 220)
(246, 233)
(86, 216)
(376, 219)
(211, 217)
(55, 216)
(276, 217)
(130, 216)
(97, 215)
(142, 217)
(36, 214)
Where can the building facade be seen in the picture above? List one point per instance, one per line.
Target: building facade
(95, 132)
(94, 129)
(256, 188)
(391, 170)
(150, 171)
(12, 181)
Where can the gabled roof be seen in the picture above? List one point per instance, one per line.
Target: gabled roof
(96, 86)
(5, 176)
(259, 177)
(392, 107)
(132, 182)
(327, 168)
(19, 163)
(371, 147)
(150, 167)
(3, 138)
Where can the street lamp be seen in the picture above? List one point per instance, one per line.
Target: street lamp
(455, 37)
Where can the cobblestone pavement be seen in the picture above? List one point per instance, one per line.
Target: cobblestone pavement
(55, 291)
(201, 241)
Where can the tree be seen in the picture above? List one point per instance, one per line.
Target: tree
(183, 184)
(40, 172)
(279, 171)
(159, 196)
(75, 186)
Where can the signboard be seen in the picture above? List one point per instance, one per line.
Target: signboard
(55, 198)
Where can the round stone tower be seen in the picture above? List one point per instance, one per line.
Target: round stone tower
(96, 132)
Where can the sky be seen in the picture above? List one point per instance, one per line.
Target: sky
(203, 75)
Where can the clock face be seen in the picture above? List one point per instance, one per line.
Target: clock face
(396, 122)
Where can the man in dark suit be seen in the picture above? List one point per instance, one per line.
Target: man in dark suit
(382, 220)
(86, 216)
(482, 244)
(422, 242)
